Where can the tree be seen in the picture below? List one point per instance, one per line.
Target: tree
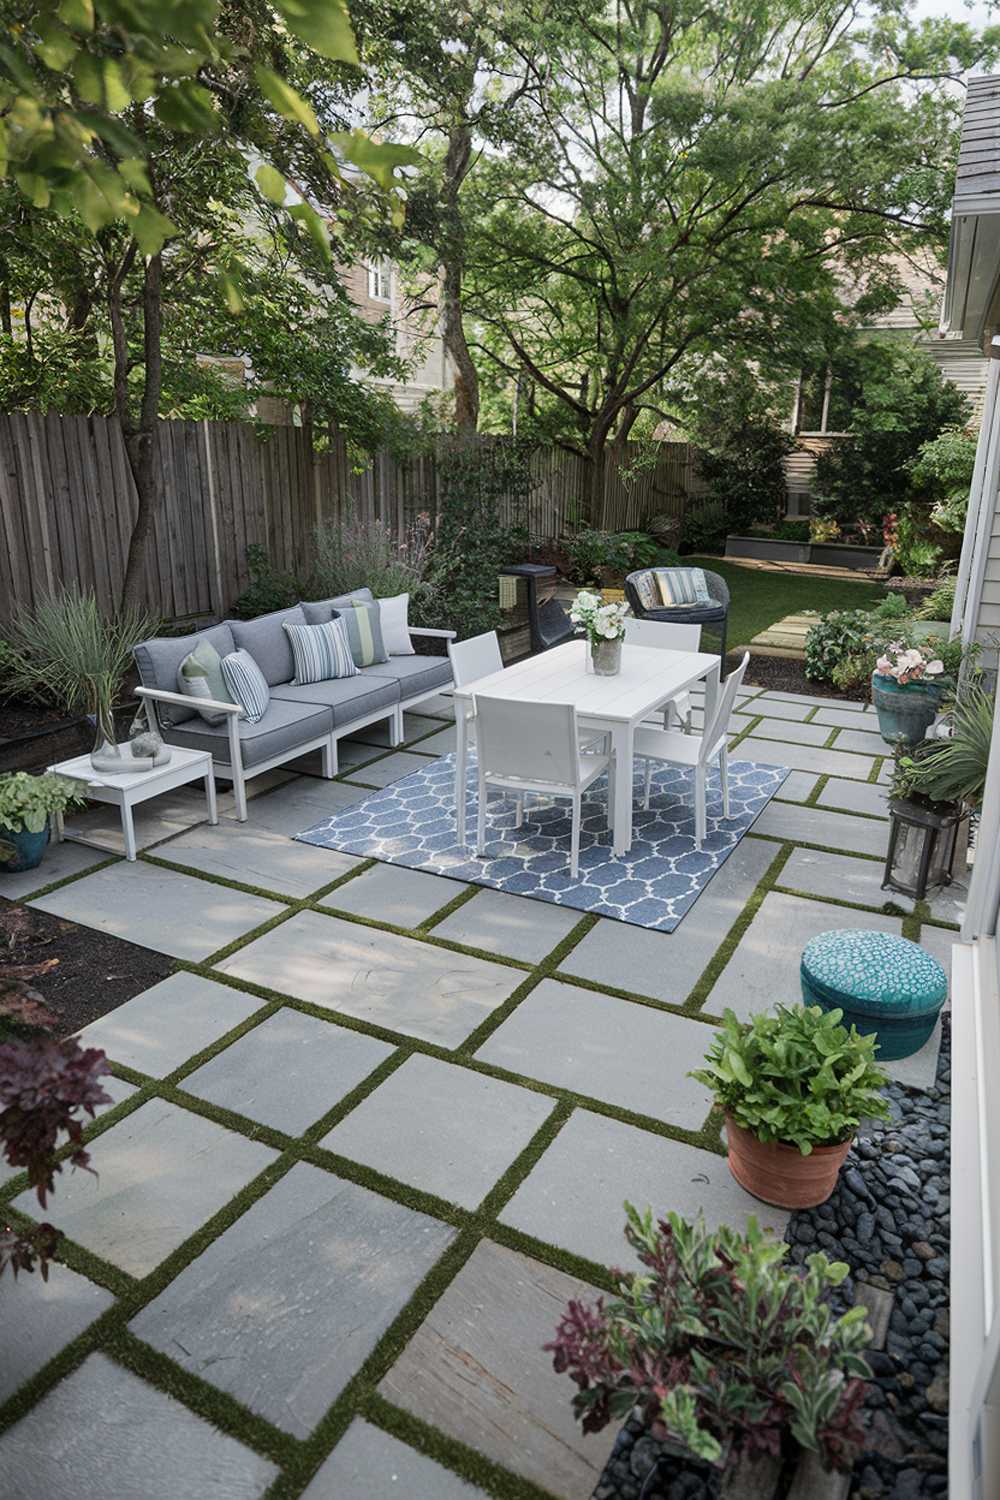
(689, 183)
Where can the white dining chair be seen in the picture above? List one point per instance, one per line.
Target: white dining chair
(535, 747)
(695, 750)
(479, 656)
(667, 637)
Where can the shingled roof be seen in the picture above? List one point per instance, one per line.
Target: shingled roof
(974, 253)
(977, 185)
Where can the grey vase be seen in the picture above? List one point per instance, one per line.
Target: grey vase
(606, 657)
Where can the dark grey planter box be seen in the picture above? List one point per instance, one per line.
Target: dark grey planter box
(767, 548)
(844, 555)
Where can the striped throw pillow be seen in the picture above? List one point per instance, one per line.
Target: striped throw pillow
(682, 586)
(247, 684)
(321, 651)
(364, 631)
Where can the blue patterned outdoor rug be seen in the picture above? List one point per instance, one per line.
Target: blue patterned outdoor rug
(412, 822)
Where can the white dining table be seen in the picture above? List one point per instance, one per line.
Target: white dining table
(648, 679)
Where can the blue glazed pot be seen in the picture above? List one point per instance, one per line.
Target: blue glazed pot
(904, 713)
(28, 850)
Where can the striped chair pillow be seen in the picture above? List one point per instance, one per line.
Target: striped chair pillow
(321, 651)
(682, 586)
(246, 685)
(364, 631)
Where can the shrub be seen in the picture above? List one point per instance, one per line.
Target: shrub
(27, 802)
(267, 590)
(952, 769)
(592, 554)
(721, 1347)
(705, 527)
(840, 644)
(939, 605)
(795, 1076)
(67, 651)
(354, 552)
(942, 469)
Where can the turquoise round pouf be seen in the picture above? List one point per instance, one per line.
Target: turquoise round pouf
(883, 984)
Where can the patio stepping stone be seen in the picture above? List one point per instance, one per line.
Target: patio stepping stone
(667, 965)
(476, 1369)
(254, 856)
(444, 742)
(60, 861)
(390, 768)
(499, 922)
(811, 700)
(816, 825)
(856, 796)
(796, 787)
(822, 762)
(159, 818)
(792, 733)
(867, 742)
(573, 1198)
(39, 1318)
(774, 708)
(161, 1028)
(440, 706)
(610, 1049)
(157, 1176)
(301, 803)
(103, 1431)
(397, 982)
(392, 893)
(283, 1308)
(288, 1071)
(377, 734)
(446, 1129)
(369, 1464)
(839, 876)
(765, 966)
(848, 716)
(160, 909)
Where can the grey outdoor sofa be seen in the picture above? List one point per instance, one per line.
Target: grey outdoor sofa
(298, 718)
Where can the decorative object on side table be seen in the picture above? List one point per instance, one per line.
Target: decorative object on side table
(885, 986)
(794, 1085)
(907, 690)
(26, 805)
(604, 626)
(146, 744)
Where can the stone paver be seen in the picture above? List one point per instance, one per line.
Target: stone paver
(302, 804)
(867, 742)
(157, 1176)
(391, 768)
(765, 966)
(839, 876)
(815, 825)
(574, 1196)
(159, 818)
(39, 1318)
(288, 1071)
(811, 700)
(164, 1026)
(117, 1090)
(822, 762)
(270, 861)
(939, 942)
(160, 909)
(626, 1054)
(396, 982)
(855, 796)
(849, 717)
(378, 734)
(103, 1431)
(796, 734)
(392, 893)
(797, 786)
(443, 742)
(774, 708)
(368, 1464)
(498, 922)
(445, 1129)
(667, 965)
(438, 707)
(476, 1369)
(283, 1308)
(919, 1070)
(60, 861)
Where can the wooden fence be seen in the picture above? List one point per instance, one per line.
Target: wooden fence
(67, 504)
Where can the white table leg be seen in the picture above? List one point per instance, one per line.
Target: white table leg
(128, 828)
(461, 756)
(213, 807)
(713, 686)
(622, 739)
(57, 826)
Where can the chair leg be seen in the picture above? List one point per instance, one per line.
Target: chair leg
(700, 816)
(239, 792)
(648, 783)
(574, 838)
(481, 818)
(396, 727)
(519, 815)
(724, 775)
(330, 758)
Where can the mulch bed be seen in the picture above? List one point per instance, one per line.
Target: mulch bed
(80, 973)
(782, 674)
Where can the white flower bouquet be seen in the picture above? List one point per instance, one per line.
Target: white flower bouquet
(597, 620)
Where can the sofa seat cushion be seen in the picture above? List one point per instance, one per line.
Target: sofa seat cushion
(347, 698)
(283, 728)
(416, 675)
(267, 642)
(159, 660)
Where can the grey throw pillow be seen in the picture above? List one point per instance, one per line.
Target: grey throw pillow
(200, 676)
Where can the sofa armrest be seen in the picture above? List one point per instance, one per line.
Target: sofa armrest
(213, 705)
(441, 635)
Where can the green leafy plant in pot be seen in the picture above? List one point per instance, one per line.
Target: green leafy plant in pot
(26, 805)
(907, 688)
(794, 1085)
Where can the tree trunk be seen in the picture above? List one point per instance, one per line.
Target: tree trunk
(140, 437)
(456, 165)
(596, 472)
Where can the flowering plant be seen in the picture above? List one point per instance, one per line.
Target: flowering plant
(599, 621)
(908, 663)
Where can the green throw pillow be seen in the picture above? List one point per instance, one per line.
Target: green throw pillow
(364, 631)
(200, 676)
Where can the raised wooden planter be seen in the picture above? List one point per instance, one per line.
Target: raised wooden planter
(819, 554)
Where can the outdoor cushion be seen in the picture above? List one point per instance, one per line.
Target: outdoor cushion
(415, 674)
(158, 662)
(395, 625)
(321, 652)
(884, 984)
(268, 643)
(318, 611)
(246, 684)
(681, 586)
(364, 631)
(200, 675)
(347, 698)
(283, 728)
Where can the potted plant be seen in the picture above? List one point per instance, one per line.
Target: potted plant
(604, 627)
(723, 1351)
(907, 686)
(793, 1084)
(26, 805)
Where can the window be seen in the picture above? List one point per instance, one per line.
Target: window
(380, 281)
(826, 399)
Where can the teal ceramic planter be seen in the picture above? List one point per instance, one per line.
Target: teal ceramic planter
(28, 850)
(885, 985)
(904, 713)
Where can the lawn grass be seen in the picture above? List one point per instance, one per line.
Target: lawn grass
(759, 598)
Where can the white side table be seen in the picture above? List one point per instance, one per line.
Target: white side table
(132, 787)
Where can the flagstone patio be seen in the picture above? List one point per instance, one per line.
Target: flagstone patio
(378, 1127)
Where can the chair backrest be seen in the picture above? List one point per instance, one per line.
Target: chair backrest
(534, 742)
(664, 636)
(479, 656)
(719, 725)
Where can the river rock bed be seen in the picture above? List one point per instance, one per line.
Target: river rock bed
(889, 1219)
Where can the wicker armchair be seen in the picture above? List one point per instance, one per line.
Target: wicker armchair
(643, 585)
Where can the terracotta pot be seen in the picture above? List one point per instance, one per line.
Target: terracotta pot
(780, 1174)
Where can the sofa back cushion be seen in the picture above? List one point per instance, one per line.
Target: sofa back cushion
(318, 611)
(321, 652)
(267, 642)
(158, 661)
(246, 684)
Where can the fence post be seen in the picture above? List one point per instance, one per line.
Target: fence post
(218, 599)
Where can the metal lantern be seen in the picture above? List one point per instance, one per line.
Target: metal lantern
(921, 846)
